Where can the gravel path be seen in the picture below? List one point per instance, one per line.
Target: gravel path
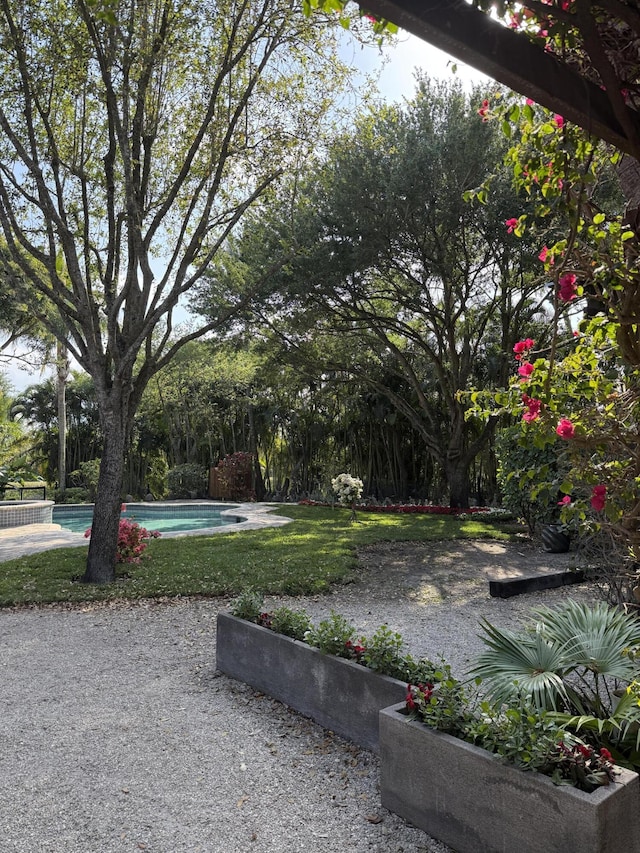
(117, 734)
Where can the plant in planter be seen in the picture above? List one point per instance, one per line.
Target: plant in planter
(337, 678)
(573, 661)
(578, 801)
(476, 800)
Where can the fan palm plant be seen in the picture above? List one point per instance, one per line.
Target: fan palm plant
(570, 660)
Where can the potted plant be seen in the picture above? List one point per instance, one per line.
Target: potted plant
(472, 800)
(325, 672)
(464, 753)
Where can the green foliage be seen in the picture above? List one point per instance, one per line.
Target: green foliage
(74, 495)
(620, 731)
(184, 480)
(157, 475)
(371, 295)
(384, 653)
(568, 665)
(530, 476)
(247, 605)
(291, 623)
(444, 704)
(87, 476)
(331, 635)
(519, 733)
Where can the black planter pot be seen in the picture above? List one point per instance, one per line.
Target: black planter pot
(555, 540)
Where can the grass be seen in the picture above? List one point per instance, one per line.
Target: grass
(318, 549)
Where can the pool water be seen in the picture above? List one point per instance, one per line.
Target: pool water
(166, 518)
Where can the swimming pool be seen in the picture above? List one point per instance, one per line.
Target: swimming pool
(165, 517)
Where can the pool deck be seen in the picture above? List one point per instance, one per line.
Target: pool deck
(18, 541)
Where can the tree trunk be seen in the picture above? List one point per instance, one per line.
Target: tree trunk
(101, 561)
(457, 473)
(62, 373)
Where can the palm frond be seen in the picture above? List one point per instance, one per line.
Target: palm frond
(521, 665)
(596, 637)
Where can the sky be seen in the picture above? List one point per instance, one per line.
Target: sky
(397, 79)
(396, 82)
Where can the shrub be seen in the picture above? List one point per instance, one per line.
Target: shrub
(332, 635)
(383, 653)
(291, 623)
(132, 541)
(529, 477)
(248, 605)
(235, 474)
(185, 480)
(75, 495)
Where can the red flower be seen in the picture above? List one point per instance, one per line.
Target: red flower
(525, 370)
(544, 254)
(558, 120)
(567, 288)
(410, 700)
(605, 754)
(484, 109)
(522, 346)
(530, 102)
(565, 428)
(511, 225)
(566, 500)
(598, 497)
(533, 407)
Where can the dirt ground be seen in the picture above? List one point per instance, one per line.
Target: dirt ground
(435, 571)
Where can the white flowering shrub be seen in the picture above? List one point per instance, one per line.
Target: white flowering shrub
(347, 488)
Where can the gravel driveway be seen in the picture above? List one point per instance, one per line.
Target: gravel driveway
(117, 735)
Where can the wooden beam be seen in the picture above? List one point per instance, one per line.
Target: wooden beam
(473, 37)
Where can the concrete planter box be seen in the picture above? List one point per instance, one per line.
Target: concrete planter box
(337, 693)
(470, 800)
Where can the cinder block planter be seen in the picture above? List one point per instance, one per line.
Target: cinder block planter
(337, 693)
(467, 798)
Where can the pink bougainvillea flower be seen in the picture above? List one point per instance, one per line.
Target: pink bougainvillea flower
(484, 109)
(544, 255)
(522, 347)
(525, 370)
(533, 408)
(567, 287)
(565, 428)
(530, 102)
(566, 500)
(558, 120)
(511, 224)
(598, 498)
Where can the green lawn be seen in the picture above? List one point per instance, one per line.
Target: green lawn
(305, 557)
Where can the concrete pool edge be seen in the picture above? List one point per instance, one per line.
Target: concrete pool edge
(32, 538)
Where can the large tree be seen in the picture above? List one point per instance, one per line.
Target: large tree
(135, 136)
(386, 251)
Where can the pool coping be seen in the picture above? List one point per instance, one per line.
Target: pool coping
(32, 538)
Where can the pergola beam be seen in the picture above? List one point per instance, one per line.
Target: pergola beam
(509, 57)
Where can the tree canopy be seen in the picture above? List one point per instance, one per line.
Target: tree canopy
(135, 136)
(390, 273)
